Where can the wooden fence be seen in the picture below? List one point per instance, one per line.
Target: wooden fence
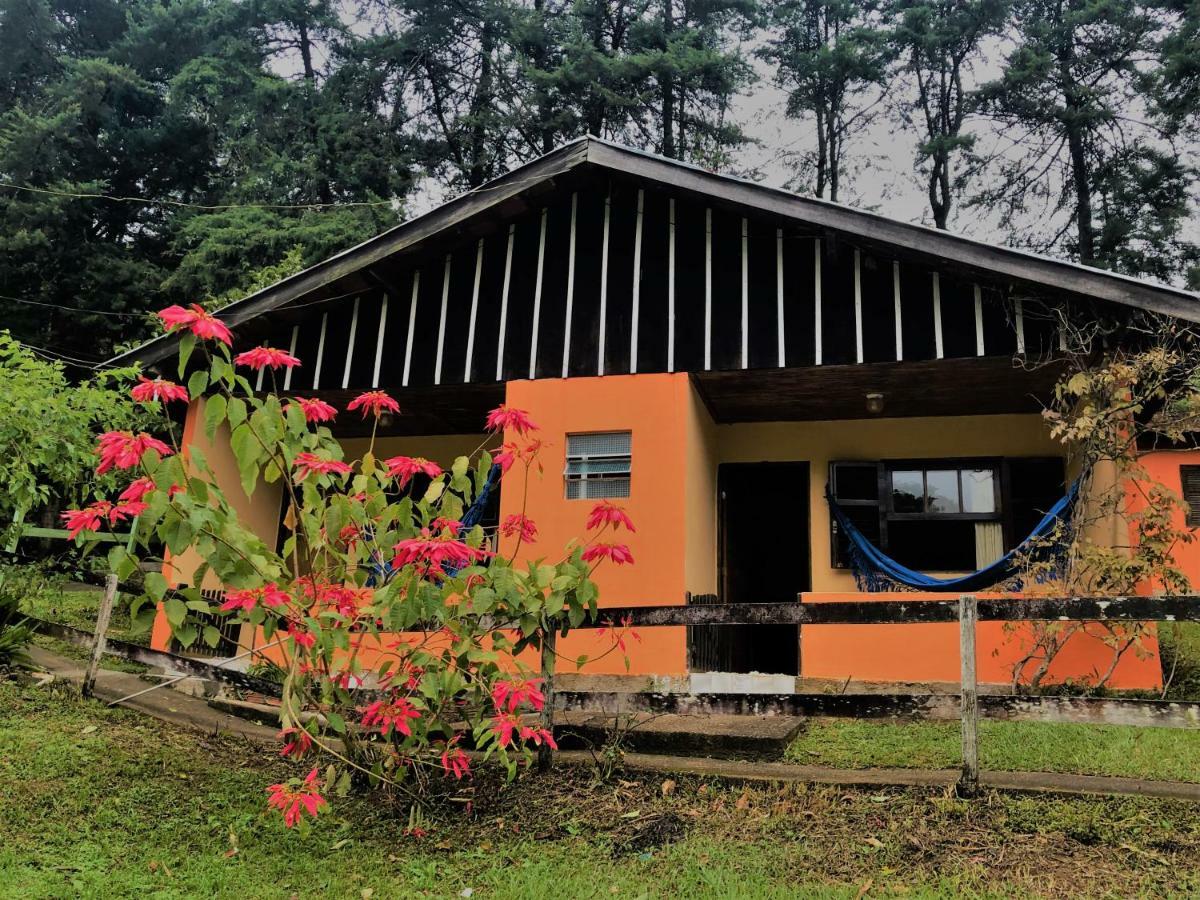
(967, 610)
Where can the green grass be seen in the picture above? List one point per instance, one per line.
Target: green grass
(1179, 644)
(78, 608)
(1161, 753)
(104, 803)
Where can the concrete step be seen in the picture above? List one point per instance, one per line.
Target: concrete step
(717, 737)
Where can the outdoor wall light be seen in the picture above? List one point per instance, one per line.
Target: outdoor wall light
(874, 403)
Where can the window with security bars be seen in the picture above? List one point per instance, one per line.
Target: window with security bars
(1189, 477)
(598, 465)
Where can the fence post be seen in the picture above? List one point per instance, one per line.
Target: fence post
(549, 639)
(102, 617)
(968, 617)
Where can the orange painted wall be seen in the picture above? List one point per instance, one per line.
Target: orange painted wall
(930, 652)
(656, 410)
(1163, 467)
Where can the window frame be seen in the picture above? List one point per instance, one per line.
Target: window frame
(1002, 486)
(570, 478)
(1191, 515)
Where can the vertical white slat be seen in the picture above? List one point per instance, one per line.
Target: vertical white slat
(437, 365)
(671, 286)
(350, 345)
(320, 351)
(745, 293)
(287, 378)
(474, 312)
(708, 289)
(817, 301)
(537, 299)
(412, 327)
(1019, 324)
(939, 349)
(637, 285)
(383, 309)
(512, 229)
(858, 313)
(899, 316)
(603, 284)
(779, 296)
(978, 321)
(258, 382)
(570, 289)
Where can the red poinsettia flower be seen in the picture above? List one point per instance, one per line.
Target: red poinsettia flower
(149, 390)
(618, 553)
(506, 726)
(512, 694)
(198, 320)
(301, 635)
(315, 410)
(429, 553)
(124, 450)
(266, 357)
(293, 802)
(519, 524)
(376, 402)
(269, 595)
(298, 742)
(389, 715)
(403, 468)
(608, 513)
(307, 463)
(87, 519)
(138, 489)
(454, 761)
(503, 418)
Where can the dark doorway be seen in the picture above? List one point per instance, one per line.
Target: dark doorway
(763, 557)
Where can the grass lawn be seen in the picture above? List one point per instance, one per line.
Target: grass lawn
(1164, 753)
(104, 803)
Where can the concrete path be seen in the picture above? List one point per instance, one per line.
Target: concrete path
(170, 706)
(195, 713)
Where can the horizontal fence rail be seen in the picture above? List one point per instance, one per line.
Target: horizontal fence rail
(937, 707)
(1184, 608)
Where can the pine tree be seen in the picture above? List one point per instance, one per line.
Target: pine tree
(829, 56)
(1065, 99)
(936, 42)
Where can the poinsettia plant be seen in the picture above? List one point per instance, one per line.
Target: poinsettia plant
(402, 632)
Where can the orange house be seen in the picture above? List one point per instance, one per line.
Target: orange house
(718, 356)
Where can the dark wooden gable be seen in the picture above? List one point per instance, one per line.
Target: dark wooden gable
(617, 276)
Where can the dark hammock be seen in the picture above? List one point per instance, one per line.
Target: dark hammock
(876, 571)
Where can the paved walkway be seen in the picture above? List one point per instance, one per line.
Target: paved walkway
(192, 712)
(171, 706)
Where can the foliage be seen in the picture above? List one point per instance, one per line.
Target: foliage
(378, 587)
(15, 635)
(832, 57)
(1107, 408)
(46, 433)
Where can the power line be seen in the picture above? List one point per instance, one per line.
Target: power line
(75, 195)
(75, 309)
(58, 356)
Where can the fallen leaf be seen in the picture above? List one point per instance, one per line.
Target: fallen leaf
(743, 802)
(668, 787)
(90, 729)
(874, 842)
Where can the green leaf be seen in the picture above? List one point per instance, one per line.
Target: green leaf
(237, 412)
(187, 344)
(336, 722)
(156, 585)
(176, 611)
(212, 636)
(214, 414)
(197, 383)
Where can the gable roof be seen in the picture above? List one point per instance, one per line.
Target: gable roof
(604, 156)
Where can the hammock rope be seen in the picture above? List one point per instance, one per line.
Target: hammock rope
(875, 571)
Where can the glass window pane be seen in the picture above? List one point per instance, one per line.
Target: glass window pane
(979, 490)
(908, 492)
(941, 487)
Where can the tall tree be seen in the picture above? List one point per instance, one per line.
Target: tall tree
(832, 57)
(1069, 98)
(937, 42)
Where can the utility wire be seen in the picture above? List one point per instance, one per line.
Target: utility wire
(75, 309)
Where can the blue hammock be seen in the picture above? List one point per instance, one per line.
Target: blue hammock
(875, 571)
(381, 571)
